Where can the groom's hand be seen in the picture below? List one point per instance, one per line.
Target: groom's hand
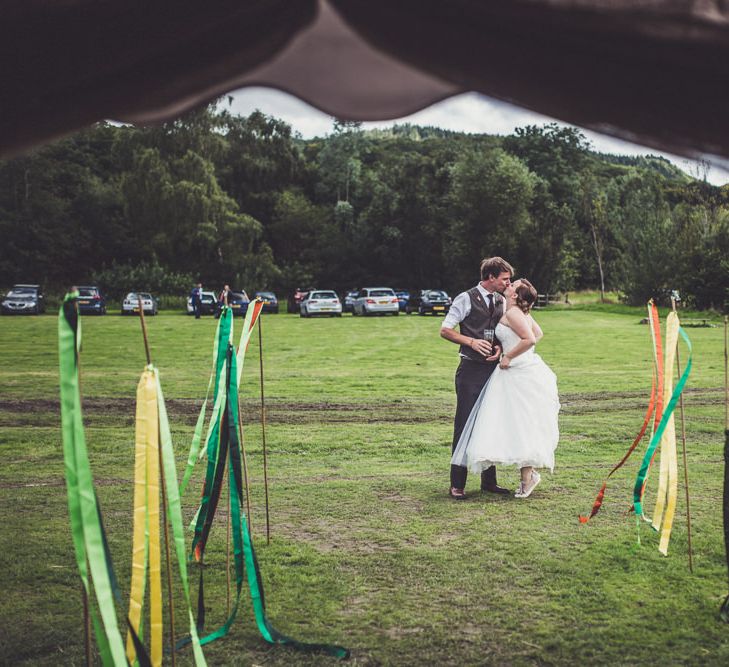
(495, 354)
(483, 347)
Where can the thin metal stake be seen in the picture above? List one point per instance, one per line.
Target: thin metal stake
(263, 426)
(144, 330)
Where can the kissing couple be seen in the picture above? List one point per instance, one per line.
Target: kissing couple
(506, 397)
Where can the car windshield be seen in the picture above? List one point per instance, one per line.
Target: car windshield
(403, 294)
(381, 292)
(87, 291)
(239, 296)
(324, 295)
(207, 296)
(22, 291)
(266, 295)
(437, 294)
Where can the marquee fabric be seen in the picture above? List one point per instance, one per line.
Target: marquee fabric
(651, 71)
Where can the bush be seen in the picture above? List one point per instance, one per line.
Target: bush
(119, 279)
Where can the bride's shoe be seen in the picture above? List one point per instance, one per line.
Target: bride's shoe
(527, 490)
(519, 493)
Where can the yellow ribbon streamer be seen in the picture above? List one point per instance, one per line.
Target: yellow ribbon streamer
(146, 532)
(667, 493)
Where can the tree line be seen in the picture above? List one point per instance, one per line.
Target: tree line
(222, 198)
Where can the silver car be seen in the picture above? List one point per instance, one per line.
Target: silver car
(373, 300)
(130, 305)
(321, 302)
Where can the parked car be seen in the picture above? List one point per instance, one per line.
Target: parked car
(23, 299)
(90, 300)
(208, 304)
(130, 305)
(403, 300)
(321, 302)
(270, 302)
(373, 300)
(348, 301)
(238, 301)
(434, 301)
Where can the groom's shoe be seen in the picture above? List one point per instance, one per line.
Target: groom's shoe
(457, 494)
(495, 488)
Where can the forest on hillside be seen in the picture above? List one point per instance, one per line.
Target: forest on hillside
(245, 200)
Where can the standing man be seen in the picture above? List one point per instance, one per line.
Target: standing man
(196, 299)
(474, 311)
(222, 300)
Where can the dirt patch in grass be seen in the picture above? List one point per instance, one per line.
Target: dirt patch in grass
(45, 412)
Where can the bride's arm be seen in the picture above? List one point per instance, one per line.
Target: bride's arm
(521, 326)
(536, 329)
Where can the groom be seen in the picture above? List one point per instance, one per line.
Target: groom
(479, 308)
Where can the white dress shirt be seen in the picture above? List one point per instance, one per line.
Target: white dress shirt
(461, 306)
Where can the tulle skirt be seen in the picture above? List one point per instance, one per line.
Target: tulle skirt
(514, 420)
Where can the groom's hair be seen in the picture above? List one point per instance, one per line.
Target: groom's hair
(492, 267)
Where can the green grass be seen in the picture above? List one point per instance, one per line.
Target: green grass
(366, 549)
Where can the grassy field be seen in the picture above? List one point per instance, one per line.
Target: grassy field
(367, 550)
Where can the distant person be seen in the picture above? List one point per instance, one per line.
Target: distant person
(476, 312)
(514, 420)
(196, 300)
(222, 300)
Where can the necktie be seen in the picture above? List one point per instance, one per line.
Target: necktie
(491, 304)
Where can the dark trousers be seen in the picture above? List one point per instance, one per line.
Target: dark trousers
(471, 376)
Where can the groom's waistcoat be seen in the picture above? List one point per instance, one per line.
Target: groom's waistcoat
(479, 319)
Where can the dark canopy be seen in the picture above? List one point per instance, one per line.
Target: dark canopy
(651, 71)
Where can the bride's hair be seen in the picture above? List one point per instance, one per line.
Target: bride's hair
(526, 295)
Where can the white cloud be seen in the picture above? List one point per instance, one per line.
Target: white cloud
(469, 112)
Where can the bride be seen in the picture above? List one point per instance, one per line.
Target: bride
(514, 420)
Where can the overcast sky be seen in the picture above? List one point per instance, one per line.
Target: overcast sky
(470, 112)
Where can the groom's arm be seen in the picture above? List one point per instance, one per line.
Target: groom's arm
(455, 316)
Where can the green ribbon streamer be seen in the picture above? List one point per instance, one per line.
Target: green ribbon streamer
(83, 510)
(227, 442)
(174, 511)
(197, 435)
(643, 472)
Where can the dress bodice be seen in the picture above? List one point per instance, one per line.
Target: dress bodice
(509, 339)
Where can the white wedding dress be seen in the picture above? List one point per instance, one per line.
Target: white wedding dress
(514, 420)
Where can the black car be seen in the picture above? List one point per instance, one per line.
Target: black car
(434, 301)
(23, 299)
(91, 301)
(238, 302)
(270, 302)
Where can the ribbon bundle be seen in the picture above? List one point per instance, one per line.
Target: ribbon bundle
(660, 411)
(154, 472)
(223, 450)
(155, 477)
(154, 463)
